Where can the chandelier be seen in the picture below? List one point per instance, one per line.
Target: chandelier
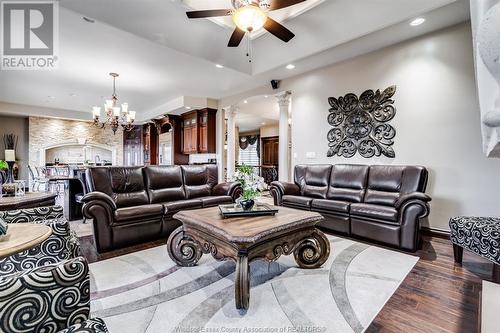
(116, 116)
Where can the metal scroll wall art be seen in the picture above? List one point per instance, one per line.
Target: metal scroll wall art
(361, 124)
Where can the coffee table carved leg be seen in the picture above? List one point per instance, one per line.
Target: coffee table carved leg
(242, 283)
(182, 249)
(313, 251)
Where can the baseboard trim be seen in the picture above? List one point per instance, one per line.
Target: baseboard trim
(435, 232)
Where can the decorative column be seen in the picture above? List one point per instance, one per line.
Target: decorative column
(231, 140)
(220, 139)
(284, 141)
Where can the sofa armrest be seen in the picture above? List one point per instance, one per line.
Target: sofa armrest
(31, 215)
(279, 189)
(101, 208)
(412, 208)
(99, 196)
(233, 189)
(411, 197)
(65, 302)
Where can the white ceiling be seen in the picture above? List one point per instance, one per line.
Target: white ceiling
(278, 15)
(258, 111)
(162, 56)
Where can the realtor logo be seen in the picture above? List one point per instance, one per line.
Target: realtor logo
(29, 35)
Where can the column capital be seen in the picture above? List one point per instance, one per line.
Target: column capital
(284, 99)
(230, 111)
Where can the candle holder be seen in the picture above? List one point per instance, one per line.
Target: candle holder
(9, 187)
(20, 188)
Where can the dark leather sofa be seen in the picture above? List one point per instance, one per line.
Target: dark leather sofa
(131, 205)
(380, 203)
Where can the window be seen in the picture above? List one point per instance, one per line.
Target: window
(249, 155)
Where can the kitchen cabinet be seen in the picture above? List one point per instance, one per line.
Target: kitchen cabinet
(132, 147)
(198, 131)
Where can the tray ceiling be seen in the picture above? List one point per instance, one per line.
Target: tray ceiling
(161, 55)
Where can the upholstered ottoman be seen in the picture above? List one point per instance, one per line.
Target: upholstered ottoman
(480, 235)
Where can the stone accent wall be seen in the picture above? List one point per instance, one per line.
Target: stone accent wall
(47, 132)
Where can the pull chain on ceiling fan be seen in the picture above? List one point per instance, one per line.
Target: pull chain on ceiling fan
(250, 16)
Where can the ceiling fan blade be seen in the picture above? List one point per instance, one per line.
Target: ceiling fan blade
(236, 37)
(278, 30)
(278, 4)
(208, 13)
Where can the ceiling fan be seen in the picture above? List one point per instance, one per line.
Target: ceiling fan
(249, 16)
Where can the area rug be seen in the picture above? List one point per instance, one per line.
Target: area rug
(146, 292)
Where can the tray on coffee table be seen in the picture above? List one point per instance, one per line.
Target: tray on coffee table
(259, 209)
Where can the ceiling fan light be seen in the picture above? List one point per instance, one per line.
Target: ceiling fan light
(249, 18)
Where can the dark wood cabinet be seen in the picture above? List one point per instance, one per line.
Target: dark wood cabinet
(198, 131)
(132, 147)
(203, 138)
(150, 144)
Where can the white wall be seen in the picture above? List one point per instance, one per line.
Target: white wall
(269, 131)
(438, 119)
(19, 127)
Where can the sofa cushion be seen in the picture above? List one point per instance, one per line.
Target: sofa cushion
(313, 180)
(297, 201)
(199, 180)
(384, 184)
(137, 212)
(216, 200)
(377, 212)
(331, 205)
(164, 183)
(128, 186)
(348, 182)
(175, 206)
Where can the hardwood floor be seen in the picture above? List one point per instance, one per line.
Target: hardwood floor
(436, 296)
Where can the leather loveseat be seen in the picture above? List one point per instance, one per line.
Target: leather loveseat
(131, 205)
(380, 203)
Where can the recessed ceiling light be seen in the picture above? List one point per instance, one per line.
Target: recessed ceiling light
(51, 97)
(266, 96)
(290, 66)
(88, 19)
(219, 66)
(188, 108)
(263, 123)
(72, 95)
(245, 101)
(417, 21)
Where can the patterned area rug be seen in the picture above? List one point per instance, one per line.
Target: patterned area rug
(146, 292)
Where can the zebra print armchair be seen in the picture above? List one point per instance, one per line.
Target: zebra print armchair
(50, 298)
(61, 245)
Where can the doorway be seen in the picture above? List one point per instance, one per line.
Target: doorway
(165, 149)
(270, 159)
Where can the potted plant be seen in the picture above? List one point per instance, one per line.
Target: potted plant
(251, 183)
(3, 165)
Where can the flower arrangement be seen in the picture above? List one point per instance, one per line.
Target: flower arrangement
(3, 165)
(251, 183)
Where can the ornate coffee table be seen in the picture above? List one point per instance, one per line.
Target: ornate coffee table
(245, 239)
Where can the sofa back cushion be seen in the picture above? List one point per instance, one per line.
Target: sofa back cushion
(348, 182)
(125, 185)
(199, 180)
(164, 183)
(313, 180)
(386, 183)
